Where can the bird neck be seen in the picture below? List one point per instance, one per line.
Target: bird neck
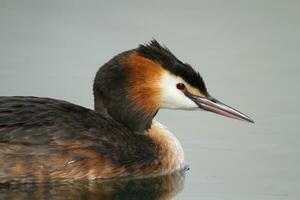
(136, 121)
(125, 90)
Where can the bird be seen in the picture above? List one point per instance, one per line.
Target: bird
(49, 140)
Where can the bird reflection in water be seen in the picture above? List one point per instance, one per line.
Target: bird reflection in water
(154, 188)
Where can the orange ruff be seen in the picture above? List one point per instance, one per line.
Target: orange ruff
(144, 80)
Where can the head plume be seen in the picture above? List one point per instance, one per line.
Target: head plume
(161, 54)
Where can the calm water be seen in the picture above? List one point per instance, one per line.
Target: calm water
(247, 51)
(162, 187)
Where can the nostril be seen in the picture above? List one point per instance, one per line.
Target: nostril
(180, 86)
(213, 100)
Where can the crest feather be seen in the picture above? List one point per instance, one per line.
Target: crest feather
(161, 54)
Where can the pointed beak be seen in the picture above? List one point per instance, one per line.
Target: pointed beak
(211, 104)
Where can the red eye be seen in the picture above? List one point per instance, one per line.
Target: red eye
(180, 86)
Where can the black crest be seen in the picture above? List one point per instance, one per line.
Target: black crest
(154, 51)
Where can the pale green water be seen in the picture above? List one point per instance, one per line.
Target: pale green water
(247, 51)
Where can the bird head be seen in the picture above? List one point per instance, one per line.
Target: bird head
(135, 84)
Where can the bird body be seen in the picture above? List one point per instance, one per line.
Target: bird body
(40, 142)
(43, 139)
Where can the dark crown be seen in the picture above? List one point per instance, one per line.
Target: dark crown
(161, 54)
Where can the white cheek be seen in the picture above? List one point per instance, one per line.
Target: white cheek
(172, 97)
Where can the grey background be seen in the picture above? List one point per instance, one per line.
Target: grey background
(247, 51)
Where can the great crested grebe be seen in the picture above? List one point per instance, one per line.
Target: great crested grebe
(44, 139)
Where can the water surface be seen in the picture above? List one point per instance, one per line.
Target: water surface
(154, 188)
